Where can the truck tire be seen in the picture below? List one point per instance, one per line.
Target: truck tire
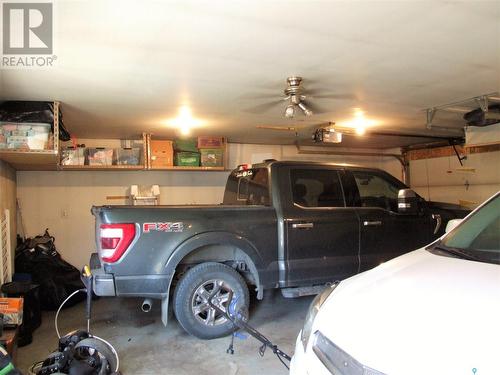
(191, 304)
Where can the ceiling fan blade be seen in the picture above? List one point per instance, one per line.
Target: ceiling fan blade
(335, 96)
(279, 128)
(298, 128)
(318, 94)
(315, 108)
(274, 85)
(307, 81)
(263, 107)
(249, 96)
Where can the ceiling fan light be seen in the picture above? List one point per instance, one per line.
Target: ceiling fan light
(290, 111)
(304, 109)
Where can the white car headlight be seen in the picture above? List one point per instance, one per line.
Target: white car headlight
(336, 360)
(313, 311)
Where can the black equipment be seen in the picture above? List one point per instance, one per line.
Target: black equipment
(239, 318)
(79, 352)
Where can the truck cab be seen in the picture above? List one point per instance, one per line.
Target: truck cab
(335, 220)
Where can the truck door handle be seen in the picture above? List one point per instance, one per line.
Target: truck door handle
(302, 225)
(375, 223)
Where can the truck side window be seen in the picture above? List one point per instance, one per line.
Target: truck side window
(316, 188)
(375, 191)
(253, 189)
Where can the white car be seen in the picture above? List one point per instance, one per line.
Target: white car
(435, 310)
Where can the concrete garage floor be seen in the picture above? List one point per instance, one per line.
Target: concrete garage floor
(146, 347)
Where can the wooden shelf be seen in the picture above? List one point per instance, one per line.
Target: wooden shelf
(178, 168)
(102, 167)
(36, 160)
(32, 160)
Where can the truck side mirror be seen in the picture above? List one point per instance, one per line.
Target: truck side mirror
(407, 202)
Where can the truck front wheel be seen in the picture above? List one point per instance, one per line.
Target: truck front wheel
(191, 296)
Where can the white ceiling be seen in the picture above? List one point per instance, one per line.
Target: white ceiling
(123, 67)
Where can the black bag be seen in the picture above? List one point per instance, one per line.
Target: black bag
(32, 111)
(57, 278)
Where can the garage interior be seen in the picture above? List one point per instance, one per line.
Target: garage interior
(411, 88)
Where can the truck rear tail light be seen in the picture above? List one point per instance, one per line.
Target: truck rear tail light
(244, 167)
(115, 240)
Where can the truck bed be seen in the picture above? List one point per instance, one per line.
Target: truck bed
(163, 232)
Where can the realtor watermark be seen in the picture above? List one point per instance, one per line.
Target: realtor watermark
(27, 35)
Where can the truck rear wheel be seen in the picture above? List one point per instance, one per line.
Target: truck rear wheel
(191, 306)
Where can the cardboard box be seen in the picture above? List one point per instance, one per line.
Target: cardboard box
(12, 310)
(162, 154)
(212, 157)
(210, 142)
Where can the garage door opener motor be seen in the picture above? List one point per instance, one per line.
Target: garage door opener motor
(79, 352)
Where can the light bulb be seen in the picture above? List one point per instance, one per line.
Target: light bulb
(185, 122)
(360, 130)
(290, 111)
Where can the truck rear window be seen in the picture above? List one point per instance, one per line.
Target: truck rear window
(250, 187)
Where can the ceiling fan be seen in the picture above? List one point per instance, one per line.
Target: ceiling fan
(298, 97)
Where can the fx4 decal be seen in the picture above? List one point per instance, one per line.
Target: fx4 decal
(168, 227)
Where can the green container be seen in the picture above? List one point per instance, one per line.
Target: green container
(212, 157)
(187, 159)
(186, 145)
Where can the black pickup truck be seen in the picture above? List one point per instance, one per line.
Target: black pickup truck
(289, 225)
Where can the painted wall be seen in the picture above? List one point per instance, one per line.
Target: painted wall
(8, 198)
(61, 201)
(444, 179)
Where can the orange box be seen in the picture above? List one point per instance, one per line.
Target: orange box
(12, 310)
(162, 154)
(210, 142)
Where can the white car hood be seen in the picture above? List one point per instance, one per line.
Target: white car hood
(420, 313)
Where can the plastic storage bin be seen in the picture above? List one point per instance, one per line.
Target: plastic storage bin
(31, 136)
(100, 156)
(187, 159)
(73, 156)
(186, 145)
(128, 156)
(212, 157)
(210, 142)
